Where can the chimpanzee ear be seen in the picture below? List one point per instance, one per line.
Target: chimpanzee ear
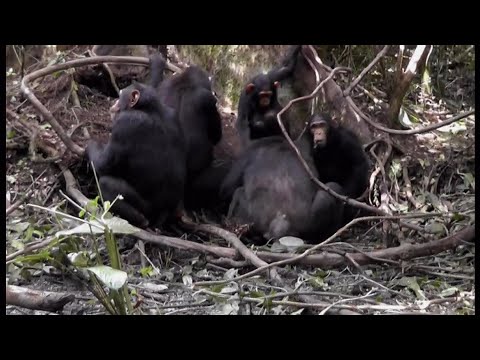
(249, 88)
(134, 97)
(277, 84)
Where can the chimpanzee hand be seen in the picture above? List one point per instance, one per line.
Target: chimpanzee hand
(93, 150)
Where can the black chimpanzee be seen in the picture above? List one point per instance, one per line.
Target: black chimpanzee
(339, 156)
(190, 95)
(144, 159)
(271, 190)
(258, 105)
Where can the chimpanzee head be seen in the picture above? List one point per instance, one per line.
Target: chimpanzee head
(320, 128)
(136, 96)
(262, 91)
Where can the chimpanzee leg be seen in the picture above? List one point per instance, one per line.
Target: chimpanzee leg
(132, 208)
(204, 189)
(238, 204)
(327, 211)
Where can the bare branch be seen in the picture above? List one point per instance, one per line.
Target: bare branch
(69, 64)
(36, 300)
(366, 70)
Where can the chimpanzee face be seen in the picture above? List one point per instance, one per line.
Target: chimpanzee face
(263, 91)
(319, 128)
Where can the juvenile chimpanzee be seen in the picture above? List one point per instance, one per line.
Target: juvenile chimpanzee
(258, 106)
(271, 190)
(144, 159)
(190, 95)
(339, 156)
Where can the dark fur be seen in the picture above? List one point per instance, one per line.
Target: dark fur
(190, 95)
(271, 190)
(342, 160)
(144, 159)
(254, 121)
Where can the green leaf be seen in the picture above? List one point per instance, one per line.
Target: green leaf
(116, 225)
(449, 292)
(298, 312)
(79, 259)
(317, 282)
(187, 280)
(110, 277)
(411, 283)
(404, 119)
(18, 227)
(469, 180)
(256, 294)
(11, 134)
(147, 271)
(17, 244)
(395, 168)
(426, 80)
(230, 274)
(458, 217)
(155, 287)
(435, 228)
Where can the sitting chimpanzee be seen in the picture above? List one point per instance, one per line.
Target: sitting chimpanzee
(271, 191)
(144, 159)
(190, 95)
(339, 156)
(258, 106)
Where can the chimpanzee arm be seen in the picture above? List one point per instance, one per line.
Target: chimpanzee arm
(241, 124)
(234, 179)
(208, 103)
(357, 181)
(157, 67)
(288, 65)
(107, 159)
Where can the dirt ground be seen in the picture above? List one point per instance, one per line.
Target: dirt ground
(441, 169)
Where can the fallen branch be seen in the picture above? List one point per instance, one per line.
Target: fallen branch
(36, 300)
(324, 260)
(17, 204)
(108, 70)
(408, 190)
(232, 240)
(329, 260)
(73, 64)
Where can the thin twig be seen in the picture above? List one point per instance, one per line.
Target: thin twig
(366, 70)
(411, 131)
(370, 293)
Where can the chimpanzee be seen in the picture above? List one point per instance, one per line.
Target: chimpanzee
(258, 106)
(339, 156)
(271, 190)
(144, 159)
(190, 95)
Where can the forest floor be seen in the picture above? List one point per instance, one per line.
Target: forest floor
(441, 169)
